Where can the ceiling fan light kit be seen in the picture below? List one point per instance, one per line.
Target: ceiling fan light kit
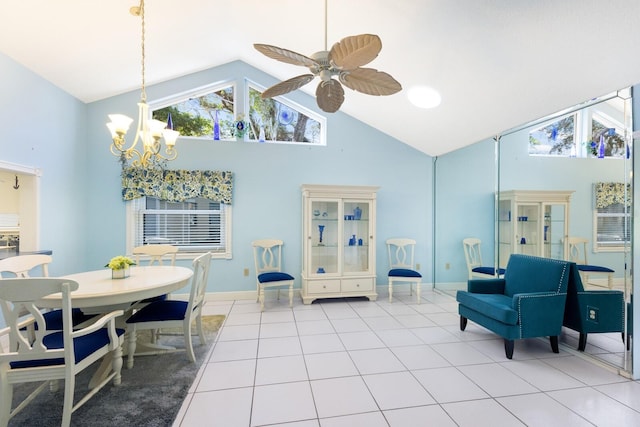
(342, 65)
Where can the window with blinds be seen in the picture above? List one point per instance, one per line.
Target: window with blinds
(613, 229)
(194, 225)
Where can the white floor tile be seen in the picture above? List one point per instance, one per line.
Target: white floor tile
(349, 325)
(321, 343)
(398, 337)
(231, 408)
(223, 375)
(381, 323)
(342, 396)
(277, 316)
(234, 350)
(584, 371)
(277, 330)
(315, 327)
(434, 335)
(432, 415)
(419, 357)
(330, 365)
(397, 390)
(308, 315)
(234, 319)
(449, 385)
(368, 419)
(360, 340)
(339, 310)
(627, 392)
(539, 410)
(541, 375)
(285, 346)
(444, 319)
(280, 403)
(414, 321)
(376, 361)
(480, 413)
(243, 332)
(460, 353)
(273, 370)
(497, 380)
(596, 407)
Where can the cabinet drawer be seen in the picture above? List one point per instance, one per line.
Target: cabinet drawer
(357, 285)
(323, 286)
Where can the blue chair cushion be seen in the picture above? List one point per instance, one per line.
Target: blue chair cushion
(152, 299)
(403, 272)
(160, 311)
(54, 318)
(488, 270)
(83, 347)
(274, 276)
(594, 268)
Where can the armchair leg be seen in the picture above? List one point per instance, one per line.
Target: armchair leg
(582, 342)
(463, 323)
(508, 348)
(554, 344)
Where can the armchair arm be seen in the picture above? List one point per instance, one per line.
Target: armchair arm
(539, 313)
(486, 286)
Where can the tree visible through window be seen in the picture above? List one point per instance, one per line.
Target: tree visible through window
(275, 121)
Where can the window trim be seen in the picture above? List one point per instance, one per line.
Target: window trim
(597, 247)
(131, 233)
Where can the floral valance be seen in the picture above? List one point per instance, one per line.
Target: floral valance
(177, 185)
(611, 193)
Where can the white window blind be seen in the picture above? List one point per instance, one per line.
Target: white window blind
(195, 225)
(613, 229)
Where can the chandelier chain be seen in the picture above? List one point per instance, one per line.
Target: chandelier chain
(144, 92)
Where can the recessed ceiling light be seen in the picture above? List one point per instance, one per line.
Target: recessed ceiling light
(424, 97)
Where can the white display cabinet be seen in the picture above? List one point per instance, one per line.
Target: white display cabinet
(339, 258)
(533, 222)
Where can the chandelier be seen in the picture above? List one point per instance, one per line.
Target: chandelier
(149, 131)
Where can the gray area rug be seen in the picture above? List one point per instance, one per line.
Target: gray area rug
(150, 395)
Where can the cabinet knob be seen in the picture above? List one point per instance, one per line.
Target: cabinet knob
(324, 286)
(357, 285)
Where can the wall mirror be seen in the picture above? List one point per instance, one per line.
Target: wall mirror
(565, 180)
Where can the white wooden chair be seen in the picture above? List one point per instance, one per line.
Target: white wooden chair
(401, 270)
(21, 266)
(473, 256)
(267, 255)
(173, 314)
(157, 254)
(578, 254)
(52, 355)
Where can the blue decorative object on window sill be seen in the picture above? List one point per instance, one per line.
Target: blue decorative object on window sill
(216, 128)
(601, 148)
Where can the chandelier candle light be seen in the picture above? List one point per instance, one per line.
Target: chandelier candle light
(149, 131)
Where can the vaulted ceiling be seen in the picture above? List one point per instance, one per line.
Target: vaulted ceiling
(496, 63)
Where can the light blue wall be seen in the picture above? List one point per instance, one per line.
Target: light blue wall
(44, 127)
(267, 180)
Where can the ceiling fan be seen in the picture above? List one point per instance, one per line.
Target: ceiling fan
(344, 61)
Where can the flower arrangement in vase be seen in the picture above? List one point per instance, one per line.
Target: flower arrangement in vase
(119, 266)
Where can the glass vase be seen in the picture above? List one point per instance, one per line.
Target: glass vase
(120, 274)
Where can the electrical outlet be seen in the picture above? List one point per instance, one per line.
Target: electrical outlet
(447, 266)
(418, 266)
(246, 272)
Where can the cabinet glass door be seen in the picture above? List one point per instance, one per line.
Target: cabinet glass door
(527, 237)
(355, 236)
(554, 234)
(324, 237)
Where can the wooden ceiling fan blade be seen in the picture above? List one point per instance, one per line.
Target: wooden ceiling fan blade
(370, 81)
(355, 51)
(329, 95)
(287, 86)
(285, 55)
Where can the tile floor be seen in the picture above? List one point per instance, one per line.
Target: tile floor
(351, 363)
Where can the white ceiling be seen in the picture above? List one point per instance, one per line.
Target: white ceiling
(496, 63)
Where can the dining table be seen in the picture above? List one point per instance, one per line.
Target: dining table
(99, 292)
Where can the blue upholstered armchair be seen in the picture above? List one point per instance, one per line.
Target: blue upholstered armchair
(592, 311)
(528, 302)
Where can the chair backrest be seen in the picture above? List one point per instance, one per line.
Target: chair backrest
(472, 253)
(529, 274)
(156, 253)
(199, 281)
(20, 265)
(21, 295)
(578, 250)
(400, 251)
(267, 255)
